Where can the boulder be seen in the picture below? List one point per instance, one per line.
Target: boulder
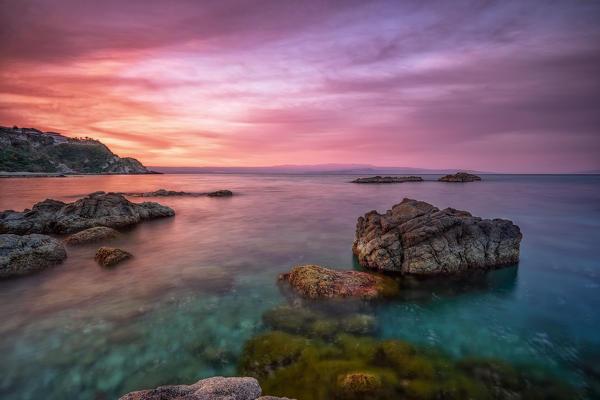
(388, 179)
(315, 282)
(20, 255)
(460, 177)
(109, 256)
(216, 388)
(97, 209)
(220, 193)
(92, 235)
(415, 237)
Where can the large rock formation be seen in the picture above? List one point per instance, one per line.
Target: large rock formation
(216, 388)
(415, 237)
(20, 255)
(315, 282)
(388, 179)
(31, 150)
(97, 209)
(171, 193)
(460, 177)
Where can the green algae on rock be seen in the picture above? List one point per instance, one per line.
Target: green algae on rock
(314, 324)
(316, 282)
(364, 368)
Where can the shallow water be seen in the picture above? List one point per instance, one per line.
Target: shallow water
(183, 307)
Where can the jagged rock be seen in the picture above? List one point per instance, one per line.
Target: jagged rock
(220, 193)
(91, 235)
(109, 256)
(216, 388)
(316, 282)
(460, 177)
(97, 209)
(415, 237)
(388, 179)
(20, 255)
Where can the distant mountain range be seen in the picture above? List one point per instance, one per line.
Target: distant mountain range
(349, 169)
(28, 150)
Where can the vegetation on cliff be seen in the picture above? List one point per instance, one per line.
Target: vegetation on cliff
(31, 150)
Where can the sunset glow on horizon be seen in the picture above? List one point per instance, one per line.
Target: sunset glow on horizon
(493, 86)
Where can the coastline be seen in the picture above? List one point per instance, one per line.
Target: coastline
(6, 174)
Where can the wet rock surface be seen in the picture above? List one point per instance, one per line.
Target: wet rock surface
(97, 209)
(21, 255)
(316, 282)
(460, 177)
(388, 179)
(109, 256)
(415, 237)
(92, 235)
(216, 388)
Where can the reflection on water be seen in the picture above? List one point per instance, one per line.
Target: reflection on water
(199, 283)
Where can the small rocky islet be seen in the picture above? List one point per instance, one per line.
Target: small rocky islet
(388, 179)
(460, 177)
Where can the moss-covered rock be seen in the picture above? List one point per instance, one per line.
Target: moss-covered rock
(351, 367)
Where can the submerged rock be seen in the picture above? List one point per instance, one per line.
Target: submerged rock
(216, 388)
(109, 256)
(91, 235)
(20, 255)
(460, 177)
(352, 367)
(415, 237)
(388, 179)
(97, 209)
(220, 193)
(316, 282)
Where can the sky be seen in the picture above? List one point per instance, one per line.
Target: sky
(506, 86)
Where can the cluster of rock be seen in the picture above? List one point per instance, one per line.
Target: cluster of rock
(460, 177)
(388, 179)
(23, 249)
(98, 209)
(415, 237)
(216, 388)
(20, 255)
(168, 193)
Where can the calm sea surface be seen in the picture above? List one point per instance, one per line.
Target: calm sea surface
(182, 308)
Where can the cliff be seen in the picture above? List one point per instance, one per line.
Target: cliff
(31, 150)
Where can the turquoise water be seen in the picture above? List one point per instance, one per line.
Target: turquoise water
(182, 309)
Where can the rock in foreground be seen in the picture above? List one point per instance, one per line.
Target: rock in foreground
(315, 282)
(388, 179)
(20, 255)
(98, 209)
(216, 388)
(109, 256)
(92, 235)
(460, 177)
(415, 237)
